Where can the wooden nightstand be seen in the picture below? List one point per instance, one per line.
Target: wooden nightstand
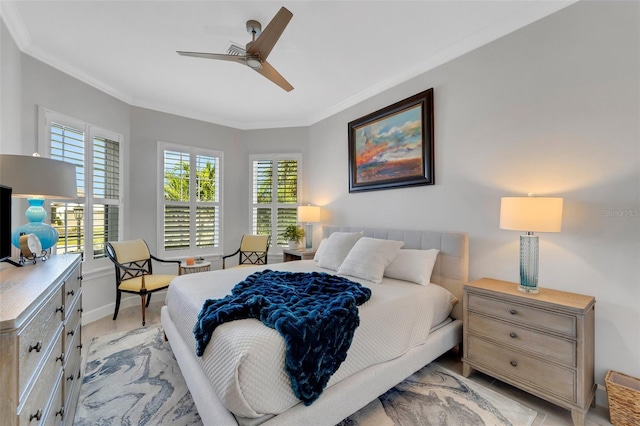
(293, 254)
(541, 343)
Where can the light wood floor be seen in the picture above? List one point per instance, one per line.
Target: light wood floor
(548, 414)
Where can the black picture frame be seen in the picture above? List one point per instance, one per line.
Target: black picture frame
(393, 147)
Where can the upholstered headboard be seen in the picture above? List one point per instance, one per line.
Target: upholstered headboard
(451, 270)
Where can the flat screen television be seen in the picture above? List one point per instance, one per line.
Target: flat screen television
(5, 223)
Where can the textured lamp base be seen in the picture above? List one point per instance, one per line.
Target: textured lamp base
(528, 264)
(309, 236)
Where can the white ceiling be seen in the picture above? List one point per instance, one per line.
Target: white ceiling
(335, 53)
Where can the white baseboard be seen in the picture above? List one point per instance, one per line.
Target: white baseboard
(601, 396)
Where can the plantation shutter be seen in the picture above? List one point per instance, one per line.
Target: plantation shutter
(67, 144)
(106, 193)
(191, 201)
(177, 227)
(207, 223)
(287, 196)
(274, 195)
(85, 224)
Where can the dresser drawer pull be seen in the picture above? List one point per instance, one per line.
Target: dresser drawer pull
(60, 413)
(36, 416)
(71, 292)
(60, 309)
(60, 358)
(513, 311)
(70, 333)
(70, 377)
(513, 335)
(514, 363)
(37, 347)
(79, 346)
(80, 310)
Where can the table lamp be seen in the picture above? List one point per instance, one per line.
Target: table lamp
(309, 214)
(36, 179)
(530, 214)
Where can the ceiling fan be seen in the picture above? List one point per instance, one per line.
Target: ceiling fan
(255, 54)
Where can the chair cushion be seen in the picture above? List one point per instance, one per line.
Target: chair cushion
(151, 282)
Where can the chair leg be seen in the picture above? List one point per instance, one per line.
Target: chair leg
(142, 299)
(115, 314)
(148, 299)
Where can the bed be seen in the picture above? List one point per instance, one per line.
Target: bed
(356, 382)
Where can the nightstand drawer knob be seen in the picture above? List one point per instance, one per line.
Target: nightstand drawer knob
(514, 363)
(513, 311)
(513, 335)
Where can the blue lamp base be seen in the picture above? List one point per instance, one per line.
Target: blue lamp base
(528, 263)
(36, 213)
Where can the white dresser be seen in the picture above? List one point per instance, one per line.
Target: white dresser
(40, 341)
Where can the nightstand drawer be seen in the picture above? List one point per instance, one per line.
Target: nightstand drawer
(512, 365)
(546, 345)
(523, 314)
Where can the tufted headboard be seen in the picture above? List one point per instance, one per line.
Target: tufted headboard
(451, 270)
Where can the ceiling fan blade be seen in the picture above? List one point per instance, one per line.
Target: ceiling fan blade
(270, 35)
(220, 56)
(273, 75)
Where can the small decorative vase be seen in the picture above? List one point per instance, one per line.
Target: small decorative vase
(294, 245)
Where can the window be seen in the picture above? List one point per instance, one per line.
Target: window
(190, 210)
(275, 194)
(87, 223)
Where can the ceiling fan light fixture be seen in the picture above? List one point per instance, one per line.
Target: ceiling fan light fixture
(254, 63)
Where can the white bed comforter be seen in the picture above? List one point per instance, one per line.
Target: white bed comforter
(244, 361)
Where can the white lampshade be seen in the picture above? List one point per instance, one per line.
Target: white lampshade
(308, 214)
(531, 214)
(38, 177)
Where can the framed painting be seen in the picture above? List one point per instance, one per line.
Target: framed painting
(393, 147)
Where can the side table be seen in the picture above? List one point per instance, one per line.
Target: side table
(192, 269)
(293, 254)
(541, 343)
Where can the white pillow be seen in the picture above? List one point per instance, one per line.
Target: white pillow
(415, 266)
(319, 250)
(336, 248)
(369, 257)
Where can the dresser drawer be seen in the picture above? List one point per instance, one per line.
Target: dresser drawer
(56, 410)
(546, 345)
(512, 365)
(71, 325)
(516, 312)
(39, 397)
(37, 337)
(71, 286)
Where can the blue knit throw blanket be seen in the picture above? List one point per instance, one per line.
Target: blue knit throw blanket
(316, 314)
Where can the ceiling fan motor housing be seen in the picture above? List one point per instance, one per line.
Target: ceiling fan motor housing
(254, 28)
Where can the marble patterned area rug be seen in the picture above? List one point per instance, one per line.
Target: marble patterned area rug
(436, 396)
(133, 378)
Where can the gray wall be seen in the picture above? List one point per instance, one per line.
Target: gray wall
(551, 109)
(10, 101)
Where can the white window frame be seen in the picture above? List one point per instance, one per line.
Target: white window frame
(193, 250)
(91, 131)
(274, 249)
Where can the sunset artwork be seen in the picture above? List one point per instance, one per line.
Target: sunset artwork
(390, 148)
